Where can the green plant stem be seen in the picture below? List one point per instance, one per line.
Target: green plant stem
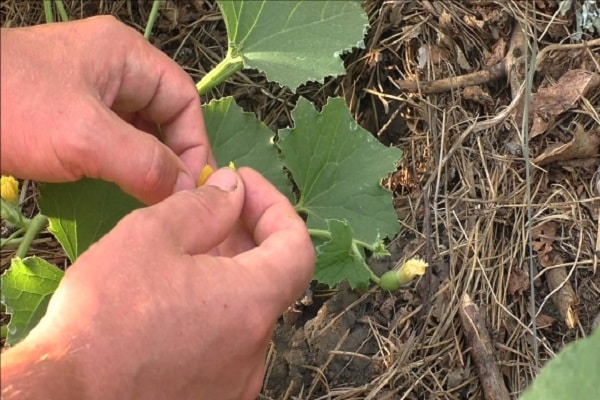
(3, 332)
(219, 74)
(152, 18)
(38, 223)
(13, 239)
(326, 235)
(48, 11)
(60, 6)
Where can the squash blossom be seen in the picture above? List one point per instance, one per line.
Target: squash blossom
(9, 189)
(411, 269)
(207, 171)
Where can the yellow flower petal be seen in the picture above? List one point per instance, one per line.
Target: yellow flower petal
(231, 166)
(206, 172)
(411, 269)
(9, 188)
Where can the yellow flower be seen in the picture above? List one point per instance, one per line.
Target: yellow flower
(411, 269)
(206, 172)
(393, 280)
(9, 188)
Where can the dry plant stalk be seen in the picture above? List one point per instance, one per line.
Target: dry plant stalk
(565, 298)
(482, 350)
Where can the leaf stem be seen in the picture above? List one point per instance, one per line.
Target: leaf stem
(38, 223)
(48, 14)
(60, 6)
(13, 239)
(219, 74)
(152, 18)
(326, 235)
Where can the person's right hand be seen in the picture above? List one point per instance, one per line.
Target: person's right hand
(178, 301)
(85, 99)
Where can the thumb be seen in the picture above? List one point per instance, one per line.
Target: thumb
(196, 221)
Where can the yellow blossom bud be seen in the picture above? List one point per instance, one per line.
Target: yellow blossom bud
(9, 188)
(412, 268)
(206, 172)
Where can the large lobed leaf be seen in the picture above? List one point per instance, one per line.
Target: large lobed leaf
(338, 166)
(337, 260)
(26, 290)
(240, 137)
(572, 374)
(294, 41)
(81, 212)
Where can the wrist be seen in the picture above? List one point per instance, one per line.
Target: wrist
(69, 355)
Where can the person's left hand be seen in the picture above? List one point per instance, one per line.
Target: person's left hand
(85, 99)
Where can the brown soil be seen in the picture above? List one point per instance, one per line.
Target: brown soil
(440, 80)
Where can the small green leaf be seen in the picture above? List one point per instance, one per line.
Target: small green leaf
(27, 287)
(572, 374)
(80, 213)
(338, 166)
(240, 137)
(294, 41)
(338, 260)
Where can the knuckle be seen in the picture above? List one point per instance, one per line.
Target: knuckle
(157, 170)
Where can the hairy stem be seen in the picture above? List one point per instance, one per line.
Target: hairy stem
(152, 18)
(48, 13)
(38, 223)
(14, 239)
(219, 74)
(60, 6)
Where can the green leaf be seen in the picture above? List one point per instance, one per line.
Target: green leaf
(80, 213)
(338, 259)
(294, 41)
(27, 287)
(572, 374)
(338, 166)
(240, 137)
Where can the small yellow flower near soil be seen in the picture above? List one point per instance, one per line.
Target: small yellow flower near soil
(411, 269)
(207, 171)
(9, 188)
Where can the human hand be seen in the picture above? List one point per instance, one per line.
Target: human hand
(171, 304)
(83, 99)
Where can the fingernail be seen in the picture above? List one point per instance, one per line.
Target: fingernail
(184, 182)
(224, 179)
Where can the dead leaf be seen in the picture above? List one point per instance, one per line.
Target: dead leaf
(544, 321)
(478, 95)
(497, 54)
(518, 282)
(543, 237)
(550, 102)
(583, 145)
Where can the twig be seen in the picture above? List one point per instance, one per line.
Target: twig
(482, 350)
(492, 73)
(489, 74)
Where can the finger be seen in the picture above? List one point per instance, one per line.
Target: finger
(108, 148)
(285, 254)
(156, 87)
(194, 221)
